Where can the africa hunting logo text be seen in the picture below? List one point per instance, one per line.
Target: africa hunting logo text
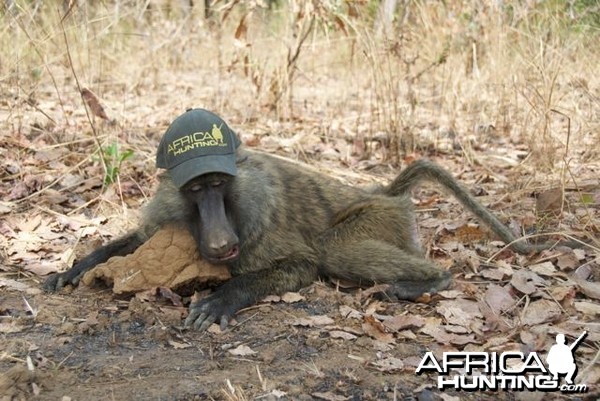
(197, 140)
(507, 370)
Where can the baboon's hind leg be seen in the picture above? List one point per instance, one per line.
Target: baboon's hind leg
(374, 241)
(375, 262)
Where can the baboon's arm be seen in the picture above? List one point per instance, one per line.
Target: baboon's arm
(120, 247)
(291, 273)
(167, 207)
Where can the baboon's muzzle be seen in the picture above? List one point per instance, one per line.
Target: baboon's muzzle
(218, 241)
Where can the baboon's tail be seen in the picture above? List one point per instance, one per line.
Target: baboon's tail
(425, 170)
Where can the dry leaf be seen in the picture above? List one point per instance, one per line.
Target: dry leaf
(456, 329)
(566, 292)
(568, 261)
(592, 290)
(271, 298)
(460, 312)
(580, 254)
(319, 320)
(342, 334)
(376, 289)
(242, 350)
(585, 272)
(388, 364)
(157, 293)
(450, 294)
(525, 281)
(402, 322)
(30, 225)
(169, 295)
(178, 345)
(13, 284)
(499, 299)
(470, 258)
(10, 327)
(350, 313)
(375, 329)
(540, 311)
(41, 268)
(469, 233)
(549, 201)
(18, 191)
(543, 269)
(407, 334)
(492, 274)
(93, 103)
(278, 394)
(329, 396)
(498, 272)
(216, 329)
(6, 207)
(242, 28)
(292, 297)
(587, 308)
(374, 307)
(435, 329)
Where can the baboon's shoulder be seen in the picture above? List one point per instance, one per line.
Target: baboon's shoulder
(295, 176)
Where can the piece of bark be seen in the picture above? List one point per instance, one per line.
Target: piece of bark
(169, 259)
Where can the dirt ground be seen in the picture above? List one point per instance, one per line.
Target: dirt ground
(88, 345)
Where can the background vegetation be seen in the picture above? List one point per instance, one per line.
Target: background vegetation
(459, 69)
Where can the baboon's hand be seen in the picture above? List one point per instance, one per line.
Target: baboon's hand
(58, 280)
(206, 311)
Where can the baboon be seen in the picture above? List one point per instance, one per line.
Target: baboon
(279, 225)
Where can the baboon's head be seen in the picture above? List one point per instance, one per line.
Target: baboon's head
(199, 151)
(209, 196)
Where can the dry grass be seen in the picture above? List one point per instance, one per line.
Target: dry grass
(450, 76)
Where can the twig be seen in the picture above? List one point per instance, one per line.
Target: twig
(79, 89)
(43, 59)
(44, 189)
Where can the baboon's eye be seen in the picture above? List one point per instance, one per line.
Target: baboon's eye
(217, 183)
(195, 188)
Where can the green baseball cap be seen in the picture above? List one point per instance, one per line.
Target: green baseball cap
(196, 143)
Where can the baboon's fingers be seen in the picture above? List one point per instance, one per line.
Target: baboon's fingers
(209, 310)
(204, 321)
(411, 290)
(224, 322)
(193, 315)
(58, 280)
(53, 283)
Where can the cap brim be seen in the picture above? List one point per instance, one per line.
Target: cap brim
(190, 169)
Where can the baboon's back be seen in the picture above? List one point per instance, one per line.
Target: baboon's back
(283, 206)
